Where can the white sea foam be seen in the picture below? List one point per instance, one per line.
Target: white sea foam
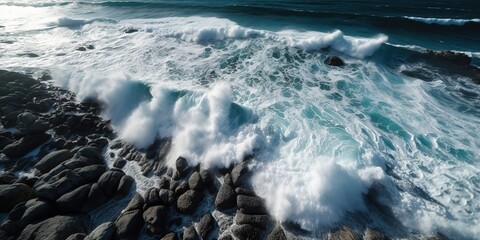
(444, 21)
(320, 135)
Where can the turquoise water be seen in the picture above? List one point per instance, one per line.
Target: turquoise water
(230, 79)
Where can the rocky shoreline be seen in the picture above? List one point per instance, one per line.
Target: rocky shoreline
(54, 176)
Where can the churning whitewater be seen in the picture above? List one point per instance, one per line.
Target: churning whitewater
(321, 137)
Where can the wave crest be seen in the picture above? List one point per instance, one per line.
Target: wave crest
(444, 21)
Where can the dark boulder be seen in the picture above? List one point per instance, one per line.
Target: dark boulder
(251, 204)
(91, 153)
(120, 163)
(206, 225)
(52, 160)
(277, 234)
(82, 49)
(259, 221)
(167, 196)
(195, 182)
(124, 186)
(152, 197)
(77, 236)
(96, 198)
(26, 213)
(181, 188)
(334, 61)
(226, 197)
(188, 202)
(137, 202)
(345, 233)
(55, 228)
(156, 218)
(190, 233)
(25, 145)
(244, 191)
(246, 231)
(13, 194)
(109, 182)
(129, 224)
(104, 231)
(73, 201)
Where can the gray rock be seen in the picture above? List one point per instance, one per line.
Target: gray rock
(152, 197)
(207, 176)
(453, 57)
(96, 198)
(239, 174)
(371, 234)
(251, 204)
(277, 234)
(27, 123)
(55, 228)
(77, 236)
(156, 218)
(73, 201)
(52, 160)
(206, 225)
(164, 183)
(137, 202)
(109, 182)
(226, 237)
(67, 181)
(182, 166)
(244, 191)
(129, 224)
(246, 231)
(181, 188)
(195, 182)
(104, 231)
(120, 163)
(91, 153)
(170, 236)
(124, 186)
(167, 196)
(25, 145)
(190, 233)
(226, 197)
(26, 213)
(13, 194)
(188, 202)
(8, 178)
(259, 221)
(345, 233)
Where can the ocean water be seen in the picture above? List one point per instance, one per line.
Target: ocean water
(231, 79)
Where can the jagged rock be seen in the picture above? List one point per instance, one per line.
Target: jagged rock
(104, 231)
(259, 221)
(55, 228)
(344, 233)
(206, 225)
(109, 182)
(129, 224)
(25, 145)
(12, 194)
(246, 231)
(52, 160)
(251, 204)
(170, 236)
(449, 56)
(182, 166)
(124, 186)
(371, 234)
(156, 219)
(334, 61)
(73, 201)
(188, 202)
(277, 234)
(190, 233)
(195, 182)
(240, 174)
(226, 197)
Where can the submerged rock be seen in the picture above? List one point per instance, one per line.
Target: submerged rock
(334, 61)
(449, 56)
